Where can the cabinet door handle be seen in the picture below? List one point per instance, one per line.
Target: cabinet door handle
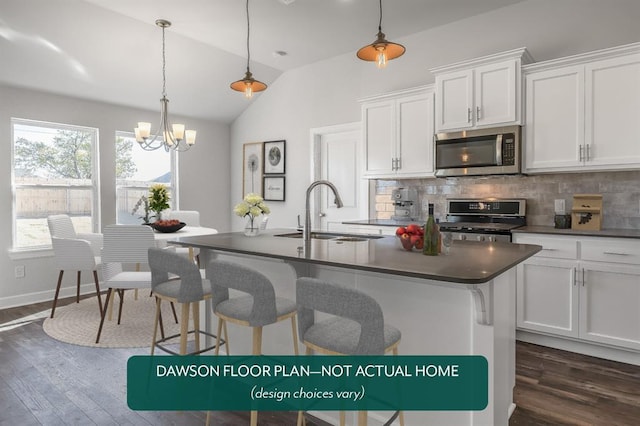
(581, 155)
(477, 113)
(582, 277)
(549, 249)
(398, 163)
(575, 275)
(617, 253)
(393, 164)
(468, 115)
(588, 153)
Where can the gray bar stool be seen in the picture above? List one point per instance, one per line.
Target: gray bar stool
(176, 279)
(356, 327)
(258, 308)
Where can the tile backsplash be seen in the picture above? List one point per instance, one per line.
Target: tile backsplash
(620, 192)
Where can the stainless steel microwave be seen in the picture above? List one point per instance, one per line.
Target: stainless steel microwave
(495, 151)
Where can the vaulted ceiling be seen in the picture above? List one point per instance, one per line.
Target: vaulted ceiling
(111, 50)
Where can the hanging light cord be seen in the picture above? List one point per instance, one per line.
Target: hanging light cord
(379, 23)
(164, 66)
(248, 52)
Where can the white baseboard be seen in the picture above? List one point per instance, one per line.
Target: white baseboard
(591, 349)
(44, 296)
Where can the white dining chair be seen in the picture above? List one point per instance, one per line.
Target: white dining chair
(191, 218)
(74, 252)
(124, 244)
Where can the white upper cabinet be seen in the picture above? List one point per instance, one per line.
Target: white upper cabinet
(479, 93)
(613, 111)
(554, 131)
(582, 112)
(398, 134)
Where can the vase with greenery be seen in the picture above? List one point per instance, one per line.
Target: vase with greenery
(251, 207)
(158, 199)
(144, 203)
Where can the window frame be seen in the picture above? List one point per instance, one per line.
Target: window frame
(96, 218)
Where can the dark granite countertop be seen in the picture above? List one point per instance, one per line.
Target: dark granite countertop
(616, 233)
(469, 262)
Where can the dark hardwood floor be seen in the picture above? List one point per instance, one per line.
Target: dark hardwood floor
(43, 381)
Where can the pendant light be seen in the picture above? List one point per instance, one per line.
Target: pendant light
(248, 84)
(168, 137)
(381, 51)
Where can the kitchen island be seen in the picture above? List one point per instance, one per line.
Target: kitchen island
(459, 304)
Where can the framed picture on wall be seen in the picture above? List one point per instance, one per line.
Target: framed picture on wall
(274, 158)
(252, 168)
(274, 188)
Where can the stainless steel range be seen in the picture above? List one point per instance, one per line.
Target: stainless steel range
(489, 219)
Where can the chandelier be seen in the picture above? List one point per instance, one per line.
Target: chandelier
(168, 137)
(248, 84)
(381, 51)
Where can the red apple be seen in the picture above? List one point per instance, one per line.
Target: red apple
(401, 230)
(405, 239)
(412, 229)
(415, 239)
(420, 243)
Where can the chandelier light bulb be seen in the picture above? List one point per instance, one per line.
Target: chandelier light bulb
(248, 90)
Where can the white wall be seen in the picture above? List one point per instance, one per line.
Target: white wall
(204, 176)
(326, 93)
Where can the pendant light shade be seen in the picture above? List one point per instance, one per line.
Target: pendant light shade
(381, 51)
(248, 84)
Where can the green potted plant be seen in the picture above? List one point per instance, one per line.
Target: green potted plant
(158, 199)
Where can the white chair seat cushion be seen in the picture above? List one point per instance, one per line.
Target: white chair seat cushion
(240, 307)
(171, 288)
(342, 335)
(130, 279)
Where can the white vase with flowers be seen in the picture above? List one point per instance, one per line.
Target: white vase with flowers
(251, 207)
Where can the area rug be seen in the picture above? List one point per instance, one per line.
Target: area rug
(77, 323)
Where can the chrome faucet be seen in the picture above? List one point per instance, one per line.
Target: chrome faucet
(306, 232)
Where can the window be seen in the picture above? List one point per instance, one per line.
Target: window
(54, 170)
(136, 171)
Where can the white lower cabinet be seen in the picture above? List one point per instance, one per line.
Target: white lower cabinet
(562, 292)
(547, 296)
(610, 304)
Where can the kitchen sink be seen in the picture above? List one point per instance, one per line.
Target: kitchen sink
(332, 236)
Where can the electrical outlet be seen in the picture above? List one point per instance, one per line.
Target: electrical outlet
(559, 206)
(19, 271)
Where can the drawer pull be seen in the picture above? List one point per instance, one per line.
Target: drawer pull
(616, 253)
(549, 249)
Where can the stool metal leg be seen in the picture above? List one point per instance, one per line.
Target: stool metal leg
(218, 334)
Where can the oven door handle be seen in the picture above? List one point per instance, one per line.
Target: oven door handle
(499, 150)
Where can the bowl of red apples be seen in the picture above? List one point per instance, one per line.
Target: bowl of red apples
(168, 225)
(410, 236)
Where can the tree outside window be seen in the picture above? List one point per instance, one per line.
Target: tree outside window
(55, 170)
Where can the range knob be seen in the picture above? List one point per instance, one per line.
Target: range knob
(491, 238)
(463, 237)
(480, 237)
